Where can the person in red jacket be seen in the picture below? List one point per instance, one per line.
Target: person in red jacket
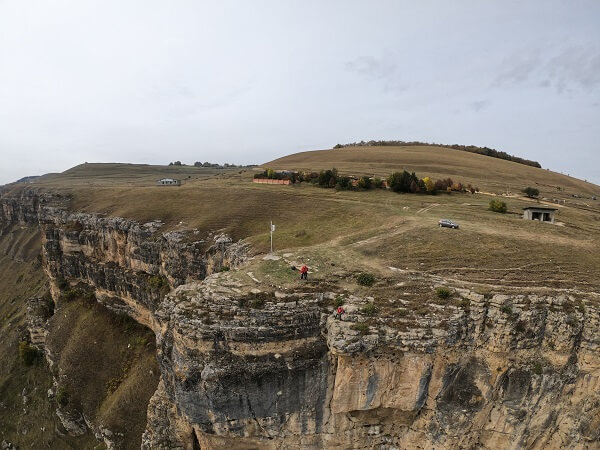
(338, 312)
(304, 272)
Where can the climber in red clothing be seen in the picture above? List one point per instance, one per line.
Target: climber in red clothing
(304, 272)
(338, 312)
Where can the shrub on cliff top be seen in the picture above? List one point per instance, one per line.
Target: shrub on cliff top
(369, 309)
(365, 279)
(443, 292)
(498, 206)
(361, 327)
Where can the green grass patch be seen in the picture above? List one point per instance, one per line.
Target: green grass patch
(443, 292)
(361, 327)
(369, 309)
(62, 396)
(365, 279)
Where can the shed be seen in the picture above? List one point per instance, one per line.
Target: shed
(541, 213)
(168, 182)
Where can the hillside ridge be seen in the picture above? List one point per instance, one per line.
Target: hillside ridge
(487, 151)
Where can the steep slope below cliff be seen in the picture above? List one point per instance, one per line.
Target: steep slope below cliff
(27, 415)
(102, 364)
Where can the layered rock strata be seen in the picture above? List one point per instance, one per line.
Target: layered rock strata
(504, 372)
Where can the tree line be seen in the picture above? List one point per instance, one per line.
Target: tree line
(465, 148)
(398, 181)
(208, 164)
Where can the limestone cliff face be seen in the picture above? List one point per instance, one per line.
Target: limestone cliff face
(123, 258)
(274, 370)
(504, 372)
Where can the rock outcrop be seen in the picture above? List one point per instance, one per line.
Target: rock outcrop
(504, 372)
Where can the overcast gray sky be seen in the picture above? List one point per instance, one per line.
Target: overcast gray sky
(247, 81)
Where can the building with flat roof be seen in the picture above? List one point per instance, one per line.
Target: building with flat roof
(541, 213)
(168, 182)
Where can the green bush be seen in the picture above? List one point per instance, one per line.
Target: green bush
(405, 182)
(328, 178)
(365, 279)
(61, 283)
(62, 396)
(364, 183)
(159, 283)
(89, 295)
(443, 292)
(28, 354)
(369, 309)
(225, 269)
(361, 327)
(72, 293)
(339, 301)
(531, 192)
(156, 281)
(506, 309)
(498, 206)
(343, 183)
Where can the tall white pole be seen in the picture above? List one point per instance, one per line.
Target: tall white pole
(271, 230)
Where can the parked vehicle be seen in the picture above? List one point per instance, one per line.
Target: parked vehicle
(448, 223)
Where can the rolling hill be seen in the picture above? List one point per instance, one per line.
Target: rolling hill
(491, 174)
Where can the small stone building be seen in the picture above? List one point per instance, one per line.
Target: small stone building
(270, 181)
(168, 182)
(541, 213)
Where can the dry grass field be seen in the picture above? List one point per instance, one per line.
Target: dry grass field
(374, 229)
(126, 175)
(490, 174)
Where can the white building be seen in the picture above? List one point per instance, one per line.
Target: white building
(543, 214)
(168, 182)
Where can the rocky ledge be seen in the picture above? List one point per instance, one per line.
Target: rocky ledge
(278, 370)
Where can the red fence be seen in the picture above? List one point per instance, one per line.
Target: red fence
(268, 181)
